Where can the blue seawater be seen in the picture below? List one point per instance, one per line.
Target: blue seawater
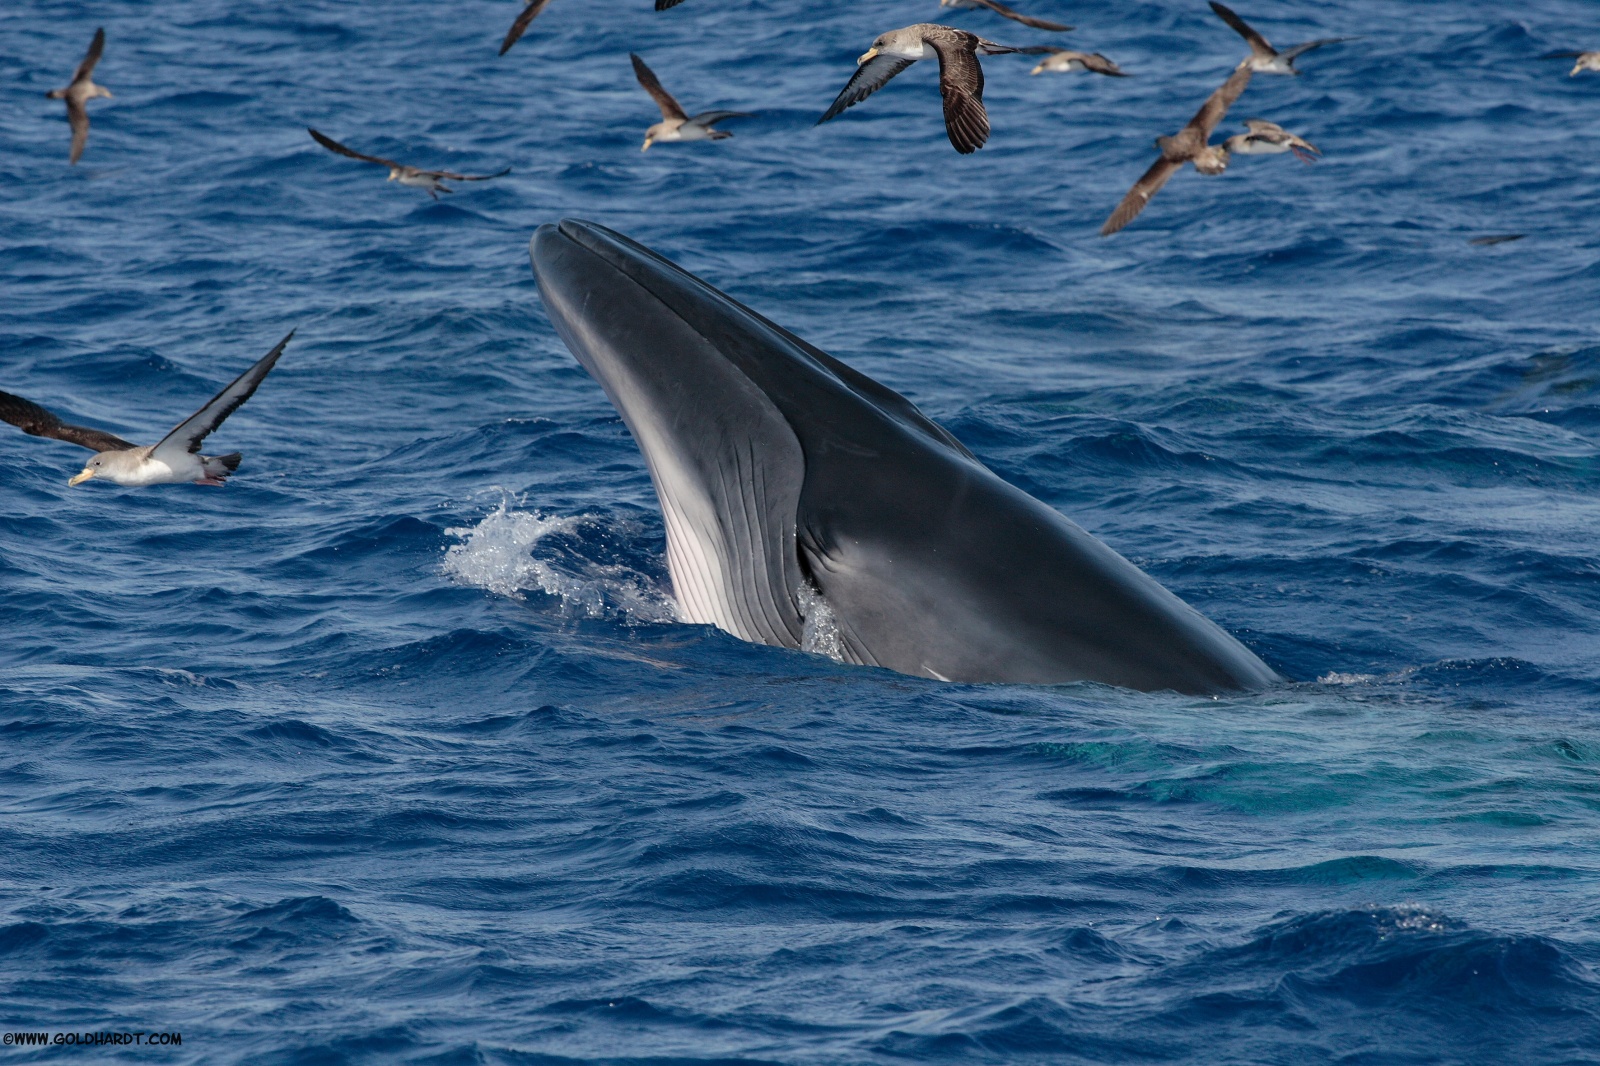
(392, 752)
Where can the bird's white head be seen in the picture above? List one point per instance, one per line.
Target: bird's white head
(904, 43)
(884, 43)
(117, 467)
(91, 469)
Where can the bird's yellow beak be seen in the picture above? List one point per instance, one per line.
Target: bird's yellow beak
(392, 176)
(81, 478)
(870, 53)
(648, 141)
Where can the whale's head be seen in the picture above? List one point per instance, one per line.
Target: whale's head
(791, 484)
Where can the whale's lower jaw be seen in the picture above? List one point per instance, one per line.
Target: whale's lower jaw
(785, 476)
(725, 464)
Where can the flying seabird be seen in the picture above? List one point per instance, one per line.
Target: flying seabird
(1269, 138)
(1066, 61)
(1265, 59)
(175, 459)
(520, 26)
(1187, 146)
(1585, 61)
(998, 8)
(677, 124)
(431, 180)
(531, 12)
(80, 92)
(960, 76)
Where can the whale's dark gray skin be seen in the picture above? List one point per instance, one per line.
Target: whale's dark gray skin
(778, 467)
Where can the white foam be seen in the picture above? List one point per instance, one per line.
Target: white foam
(1336, 678)
(821, 633)
(502, 555)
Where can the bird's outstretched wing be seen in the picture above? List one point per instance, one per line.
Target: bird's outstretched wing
(452, 176)
(1101, 65)
(334, 146)
(869, 77)
(662, 5)
(90, 58)
(520, 26)
(670, 108)
(1148, 185)
(1216, 106)
(78, 116)
(37, 422)
(1289, 54)
(1258, 43)
(1562, 55)
(1092, 60)
(187, 435)
(1005, 12)
(961, 84)
(711, 118)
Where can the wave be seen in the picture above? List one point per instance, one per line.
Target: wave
(511, 552)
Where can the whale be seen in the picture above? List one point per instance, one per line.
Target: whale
(801, 497)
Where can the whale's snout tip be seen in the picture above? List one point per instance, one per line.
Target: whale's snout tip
(546, 239)
(554, 239)
(596, 238)
(576, 228)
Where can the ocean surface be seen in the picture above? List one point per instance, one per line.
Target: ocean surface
(392, 751)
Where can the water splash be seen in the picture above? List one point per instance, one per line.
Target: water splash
(512, 552)
(821, 633)
(1334, 677)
